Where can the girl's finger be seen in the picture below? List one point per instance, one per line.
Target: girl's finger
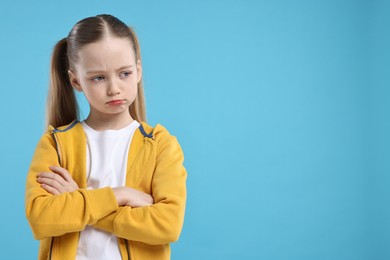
(53, 176)
(50, 189)
(65, 186)
(61, 171)
(52, 183)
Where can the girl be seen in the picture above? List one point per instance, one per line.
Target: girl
(111, 186)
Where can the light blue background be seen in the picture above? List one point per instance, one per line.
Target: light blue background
(282, 109)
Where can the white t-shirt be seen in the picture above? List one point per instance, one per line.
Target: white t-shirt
(107, 153)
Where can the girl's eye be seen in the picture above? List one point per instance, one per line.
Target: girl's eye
(98, 78)
(125, 74)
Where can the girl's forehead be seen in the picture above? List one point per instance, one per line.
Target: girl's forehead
(109, 50)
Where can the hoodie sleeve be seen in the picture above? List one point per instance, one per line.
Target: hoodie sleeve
(54, 215)
(160, 223)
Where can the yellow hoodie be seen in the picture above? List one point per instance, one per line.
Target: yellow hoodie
(155, 166)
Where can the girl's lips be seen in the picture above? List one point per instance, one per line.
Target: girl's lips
(116, 102)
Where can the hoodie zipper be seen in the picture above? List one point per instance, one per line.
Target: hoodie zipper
(51, 247)
(128, 249)
(57, 146)
(59, 160)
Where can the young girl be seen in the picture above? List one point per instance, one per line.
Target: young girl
(111, 186)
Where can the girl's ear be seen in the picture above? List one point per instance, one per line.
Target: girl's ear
(74, 81)
(139, 71)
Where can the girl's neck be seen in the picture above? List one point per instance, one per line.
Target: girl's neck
(106, 122)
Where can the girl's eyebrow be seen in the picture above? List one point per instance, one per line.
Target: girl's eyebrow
(100, 71)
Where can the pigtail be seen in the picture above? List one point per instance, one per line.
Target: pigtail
(62, 105)
(138, 108)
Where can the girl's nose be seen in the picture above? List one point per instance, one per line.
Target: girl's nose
(113, 89)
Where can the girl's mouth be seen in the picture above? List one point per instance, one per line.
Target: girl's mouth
(116, 102)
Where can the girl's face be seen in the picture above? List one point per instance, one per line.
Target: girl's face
(108, 74)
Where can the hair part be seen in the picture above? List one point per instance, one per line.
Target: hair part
(62, 107)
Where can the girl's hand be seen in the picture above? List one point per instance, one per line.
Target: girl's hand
(58, 181)
(126, 196)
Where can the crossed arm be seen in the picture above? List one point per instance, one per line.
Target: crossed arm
(55, 205)
(59, 181)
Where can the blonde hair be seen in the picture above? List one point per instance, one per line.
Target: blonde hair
(62, 107)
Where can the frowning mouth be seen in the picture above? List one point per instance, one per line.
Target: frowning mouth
(116, 102)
